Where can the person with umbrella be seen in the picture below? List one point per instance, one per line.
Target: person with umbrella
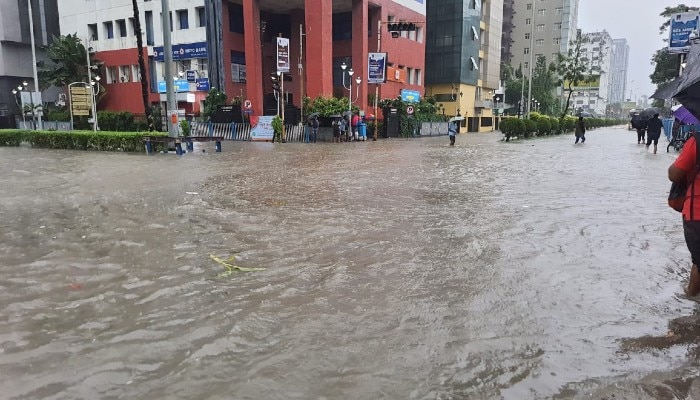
(654, 127)
(452, 128)
(580, 130)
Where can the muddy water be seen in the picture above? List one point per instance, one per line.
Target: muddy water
(397, 270)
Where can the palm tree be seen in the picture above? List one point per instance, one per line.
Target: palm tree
(142, 66)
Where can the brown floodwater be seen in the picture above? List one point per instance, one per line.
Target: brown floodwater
(398, 269)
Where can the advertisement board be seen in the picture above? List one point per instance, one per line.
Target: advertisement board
(261, 127)
(679, 31)
(181, 85)
(376, 68)
(410, 96)
(282, 55)
(80, 100)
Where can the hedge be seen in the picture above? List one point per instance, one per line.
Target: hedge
(76, 140)
(543, 125)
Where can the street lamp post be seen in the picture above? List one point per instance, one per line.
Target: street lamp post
(31, 103)
(350, 71)
(19, 104)
(94, 89)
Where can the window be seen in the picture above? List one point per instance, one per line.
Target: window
(529, 6)
(124, 73)
(92, 31)
(111, 75)
(109, 29)
(235, 18)
(539, 42)
(475, 66)
(342, 26)
(475, 4)
(475, 34)
(558, 10)
(419, 77)
(542, 11)
(201, 16)
(149, 28)
(528, 21)
(557, 26)
(579, 101)
(409, 73)
(527, 36)
(527, 65)
(596, 49)
(556, 40)
(419, 35)
(132, 24)
(121, 25)
(540, 28)
(527, 50)
(183, 19)
(135, 73)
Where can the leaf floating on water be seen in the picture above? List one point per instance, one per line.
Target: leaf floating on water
(231, 266)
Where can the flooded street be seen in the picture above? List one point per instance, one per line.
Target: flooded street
(401, 269)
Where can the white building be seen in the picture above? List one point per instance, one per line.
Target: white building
(618, 81)
(108, 29)
(592, 96)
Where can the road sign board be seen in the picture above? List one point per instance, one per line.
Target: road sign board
(248, 104)
(80, 100)
(409, 110)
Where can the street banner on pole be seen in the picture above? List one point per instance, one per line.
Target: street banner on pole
(682, 25)
(282, 55)
(377, 68)
(80, 100)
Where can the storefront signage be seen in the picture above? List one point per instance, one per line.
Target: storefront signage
(681, 27)
(203, 84)
(183, 51)
(410, 96)
(181, 85)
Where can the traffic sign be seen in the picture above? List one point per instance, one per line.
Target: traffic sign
(409, 110)
(247, 104)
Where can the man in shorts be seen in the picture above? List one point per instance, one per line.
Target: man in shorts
(684, 170)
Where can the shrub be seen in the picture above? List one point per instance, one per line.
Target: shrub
(185, 127)
(58, 115)
(116, 121)
(543, 126)
(76, 140)
(530, 127)
(554, 123)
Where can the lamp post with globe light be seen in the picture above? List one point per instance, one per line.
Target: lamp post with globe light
(19, 104)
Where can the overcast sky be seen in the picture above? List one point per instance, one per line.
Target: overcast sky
(634, 20)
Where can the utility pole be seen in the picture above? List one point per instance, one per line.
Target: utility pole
(301, 71)
(168, 59)
(36, 74)
(532, 48)
(376, 89)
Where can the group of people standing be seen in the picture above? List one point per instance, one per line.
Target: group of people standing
(347, 129)
(652, 127)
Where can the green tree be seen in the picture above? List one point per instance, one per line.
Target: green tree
(670, 11)
(68, 62)
(572, 69)
(142, 67)
(214, 99)
(544, 82)
(513, 86)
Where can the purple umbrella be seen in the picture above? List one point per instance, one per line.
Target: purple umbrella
(682, 114)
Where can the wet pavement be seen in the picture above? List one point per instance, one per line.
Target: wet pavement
(401, 269)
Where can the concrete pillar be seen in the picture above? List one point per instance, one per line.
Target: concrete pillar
(360, 47)
(319, 47)
(253, 54)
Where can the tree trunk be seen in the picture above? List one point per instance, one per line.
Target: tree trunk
(142, 67)
(568, 102)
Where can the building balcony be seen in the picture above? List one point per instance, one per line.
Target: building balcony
(483, 104)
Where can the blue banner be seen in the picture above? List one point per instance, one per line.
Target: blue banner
(191, 76)
(183, 51)
(377, 68)
(681, 27)
(181, 85)
(203, 84)
(410, 96)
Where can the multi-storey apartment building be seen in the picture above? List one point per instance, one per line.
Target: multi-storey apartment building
(231, 45)
(618, 71)
(463, 54)
(592, 95)
(539, 27)
(16, 52)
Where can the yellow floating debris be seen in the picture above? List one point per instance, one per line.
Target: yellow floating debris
(231, 266)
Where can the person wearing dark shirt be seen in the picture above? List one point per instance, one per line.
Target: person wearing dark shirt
(654, 127)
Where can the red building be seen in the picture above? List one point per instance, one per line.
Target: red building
(231, 44)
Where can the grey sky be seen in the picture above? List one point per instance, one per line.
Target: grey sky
(634, 20)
